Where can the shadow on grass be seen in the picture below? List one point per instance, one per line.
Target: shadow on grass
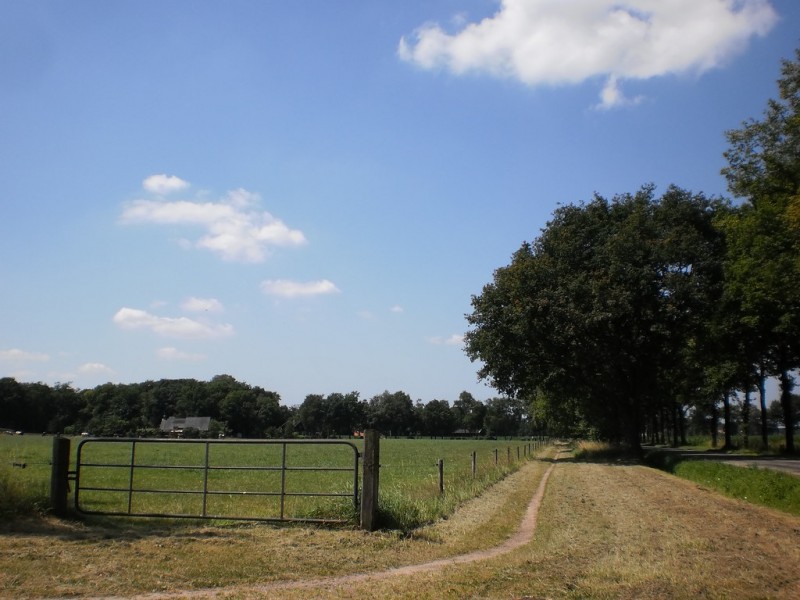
(98, 528)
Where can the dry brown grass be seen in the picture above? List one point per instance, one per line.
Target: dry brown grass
(604, 532)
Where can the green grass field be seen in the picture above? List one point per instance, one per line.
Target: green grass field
(409, 480)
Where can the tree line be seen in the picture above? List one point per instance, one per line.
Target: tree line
(628, 317)
(239, 409)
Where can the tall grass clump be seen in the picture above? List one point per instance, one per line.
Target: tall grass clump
(600, 451)
(20, 495)
(24, 475)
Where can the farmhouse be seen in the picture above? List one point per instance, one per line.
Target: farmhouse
(176, 425)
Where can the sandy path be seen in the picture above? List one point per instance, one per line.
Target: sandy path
(523, 535)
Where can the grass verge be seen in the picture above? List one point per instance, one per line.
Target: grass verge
(765, 487)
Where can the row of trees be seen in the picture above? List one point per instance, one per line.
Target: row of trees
(626, 316)
(237, 408)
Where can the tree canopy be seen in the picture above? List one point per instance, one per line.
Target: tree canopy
(627, 313)
(600, 308)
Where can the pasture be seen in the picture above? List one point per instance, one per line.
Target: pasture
(409, 477)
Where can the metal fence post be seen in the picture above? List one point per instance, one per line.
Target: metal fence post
(369, 494)
(59, 476)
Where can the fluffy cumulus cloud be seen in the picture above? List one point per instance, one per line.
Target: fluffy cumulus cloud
(178, 327)
(554, 42)
(170, 353)
(234, 227)
(16, 355)
(293, 289)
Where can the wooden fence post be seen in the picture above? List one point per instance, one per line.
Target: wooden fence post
(369, 493)
(59, 476)
(440, 465)
(474, 464)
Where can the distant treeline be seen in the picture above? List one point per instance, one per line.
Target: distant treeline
(240, 409)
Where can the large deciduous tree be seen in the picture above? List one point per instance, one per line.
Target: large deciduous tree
(391, 413)
(600, 309)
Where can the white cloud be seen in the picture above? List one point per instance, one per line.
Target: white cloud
(164, 184)
(453, 340)
(170, 353)
(17, 355)
(612, 96)
(293, 289)
(557, 42)
(202, 305)
(94, 368)
(180, 327)
(397, 309)
(234, 228)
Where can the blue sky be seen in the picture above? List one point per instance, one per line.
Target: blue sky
(305, 195)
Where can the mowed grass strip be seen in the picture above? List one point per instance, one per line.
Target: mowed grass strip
(617, 531)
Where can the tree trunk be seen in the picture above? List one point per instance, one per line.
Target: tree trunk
(714, 423)
(726, 403)
(676, 420)
(762, 395)
(787, 384)
(682, 422)
(746, 418)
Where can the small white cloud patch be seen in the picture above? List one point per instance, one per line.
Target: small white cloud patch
(202, 305)
(164, 184)
(94, 368)
(293, 289)
(234, 228)
(453, 340)
(16, 355)
(170, 353)
(179, 327)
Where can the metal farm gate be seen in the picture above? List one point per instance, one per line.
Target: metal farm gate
(254, 480)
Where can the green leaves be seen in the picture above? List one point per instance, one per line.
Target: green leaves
(598, 310)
